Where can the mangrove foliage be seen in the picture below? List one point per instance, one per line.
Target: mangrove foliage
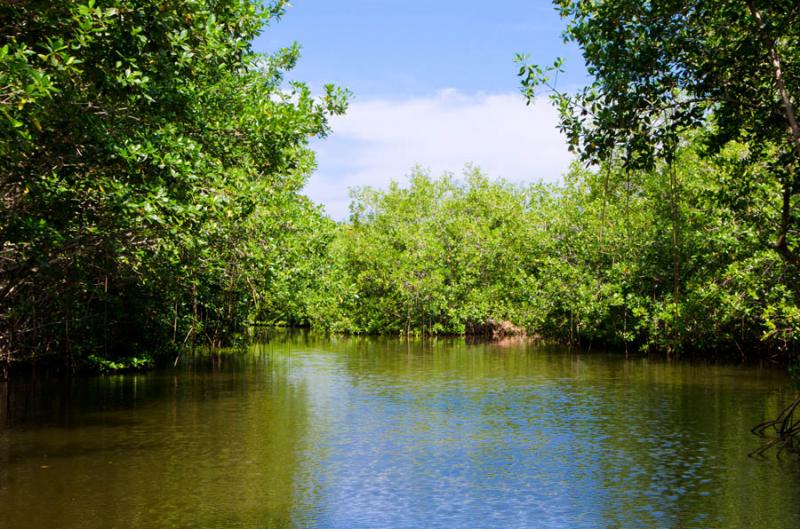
(150, 171)
(152, 166)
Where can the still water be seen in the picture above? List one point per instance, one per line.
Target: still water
(359, 433)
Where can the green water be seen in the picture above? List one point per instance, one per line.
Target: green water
(358, 433)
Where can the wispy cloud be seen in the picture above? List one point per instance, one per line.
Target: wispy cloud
(380, 140)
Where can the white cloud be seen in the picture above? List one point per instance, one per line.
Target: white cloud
(380, 140)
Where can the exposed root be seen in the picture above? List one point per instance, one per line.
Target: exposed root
(783, 432)
(497, 330)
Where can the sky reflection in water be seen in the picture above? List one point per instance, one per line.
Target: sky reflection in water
(358, 433)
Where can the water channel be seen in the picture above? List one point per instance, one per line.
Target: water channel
(357, 433)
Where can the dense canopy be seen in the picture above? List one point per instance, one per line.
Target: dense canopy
(152, 167)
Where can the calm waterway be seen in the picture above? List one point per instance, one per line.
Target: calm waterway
(363, 433)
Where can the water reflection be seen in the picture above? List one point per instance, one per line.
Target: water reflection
(197, 448)
(364, 433)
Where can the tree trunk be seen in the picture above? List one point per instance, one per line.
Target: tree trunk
(777, 68)
(794, 131)
(675, 217)
(782, 245)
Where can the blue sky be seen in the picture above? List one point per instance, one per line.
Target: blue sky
(434, 84)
